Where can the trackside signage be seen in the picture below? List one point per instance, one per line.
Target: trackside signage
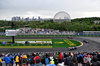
(10, 32)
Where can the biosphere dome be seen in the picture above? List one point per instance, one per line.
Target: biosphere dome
(61, 17)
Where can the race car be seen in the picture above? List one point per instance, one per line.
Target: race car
(72, 48)
(70, 37)
(85, 41)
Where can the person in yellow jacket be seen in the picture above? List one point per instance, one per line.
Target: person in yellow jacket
(0, 62)
(52, 61)
(17, 59)
(24, 56)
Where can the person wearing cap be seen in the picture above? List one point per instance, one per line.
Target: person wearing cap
(38, 62)
(0, 62)
(86, 62)
(35, 58)
(24, 60)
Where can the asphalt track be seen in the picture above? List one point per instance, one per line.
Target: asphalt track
(93, 45)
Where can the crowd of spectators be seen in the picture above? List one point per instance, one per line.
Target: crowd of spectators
(40, 31)
(2, 33)
(52, 59)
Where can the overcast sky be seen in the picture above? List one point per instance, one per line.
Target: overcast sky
(48, 8)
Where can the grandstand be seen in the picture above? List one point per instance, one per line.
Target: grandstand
(40, 31)
(91, 32)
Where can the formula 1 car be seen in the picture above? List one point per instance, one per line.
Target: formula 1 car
(72, 48)
(85, 41)
(70, 37)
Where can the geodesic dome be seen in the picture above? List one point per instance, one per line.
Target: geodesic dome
(61, 17)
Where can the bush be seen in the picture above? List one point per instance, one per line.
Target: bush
(33, 44)
(15, 44)
(9, 44)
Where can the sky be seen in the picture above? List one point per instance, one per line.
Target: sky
(48, 8)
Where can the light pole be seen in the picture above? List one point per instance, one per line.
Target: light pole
(12, 26)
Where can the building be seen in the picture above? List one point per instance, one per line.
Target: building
(16, 18)
(27, 19)
(39, 19)
(97, 21)
(30, 19)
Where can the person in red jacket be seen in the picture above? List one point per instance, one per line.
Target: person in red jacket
(35, 58)
(60, 58)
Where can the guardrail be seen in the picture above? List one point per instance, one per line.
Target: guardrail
(49, 35)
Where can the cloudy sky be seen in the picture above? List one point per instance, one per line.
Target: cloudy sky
(48, 8)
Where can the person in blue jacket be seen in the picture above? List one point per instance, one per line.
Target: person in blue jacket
(50, 65)
(7, 60)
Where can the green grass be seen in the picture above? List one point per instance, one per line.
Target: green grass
(59, 43)
(56, 43)
(64, 43)
(75, 42)
(25, 45)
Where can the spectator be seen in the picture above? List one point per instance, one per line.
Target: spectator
(12, 61)
(98, 56)
(74, 62)
(7, 60)
(71, 59)
(60, 58)
(36, 57)
(52, 61)
(51, 65)
(86, 62)
(67, 62)
(80, 59)
(94, 61)
(47, 59)
(0, 62)
(56, 60)
(24, 60)
(38, 63)
(17, 59)
(32, 61)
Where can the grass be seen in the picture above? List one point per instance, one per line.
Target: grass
(75, 42)
(59, 43)
(64, 43)
(56, 43)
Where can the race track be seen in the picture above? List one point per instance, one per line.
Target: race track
(93, 45)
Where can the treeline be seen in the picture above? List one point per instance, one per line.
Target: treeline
(79, 25)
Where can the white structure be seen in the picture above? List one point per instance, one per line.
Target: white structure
(10, 32)
(97, 21)
(61, 17)
(91, 32)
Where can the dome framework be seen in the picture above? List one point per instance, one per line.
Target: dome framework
(61, 17)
